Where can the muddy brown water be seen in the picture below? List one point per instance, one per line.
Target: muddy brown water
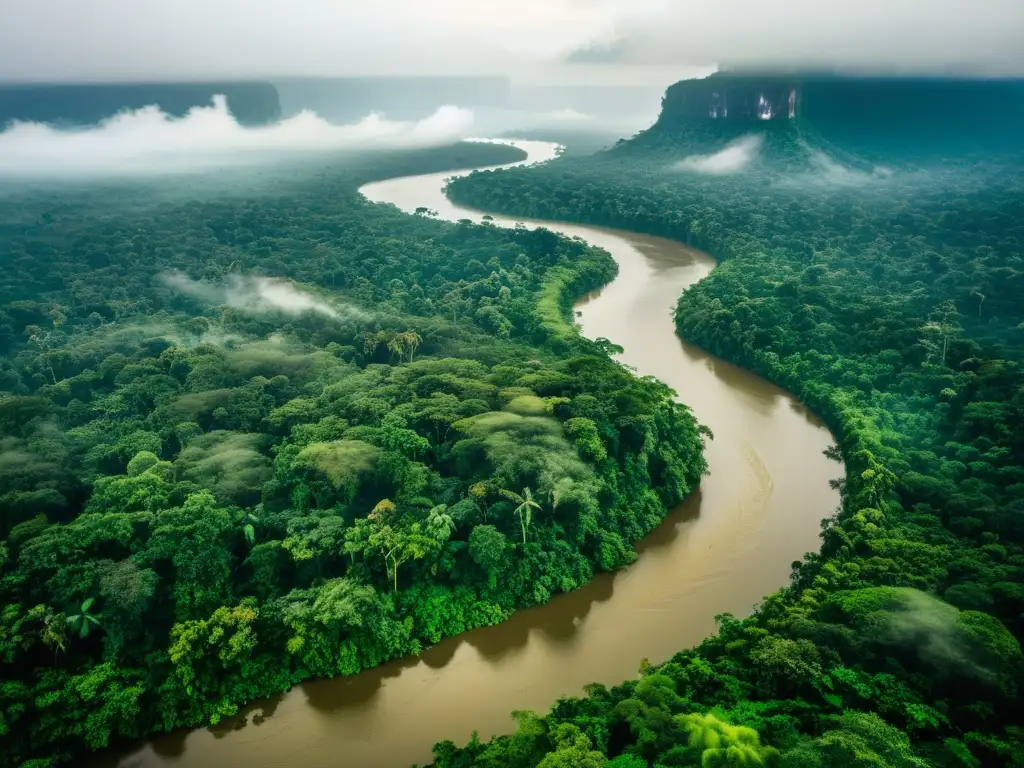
(726, 547)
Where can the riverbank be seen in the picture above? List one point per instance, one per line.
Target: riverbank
(723, 550)
(920, 378)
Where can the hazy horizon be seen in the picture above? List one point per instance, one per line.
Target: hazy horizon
(642, 42)
(535, 47)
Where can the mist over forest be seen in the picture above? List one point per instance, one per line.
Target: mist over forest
(138, 129)
(265, 441)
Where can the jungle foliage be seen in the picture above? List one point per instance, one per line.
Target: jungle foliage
(889, 300)
(248, 439)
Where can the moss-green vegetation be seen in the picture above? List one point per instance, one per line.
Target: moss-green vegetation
(891, 303)
(214, 485)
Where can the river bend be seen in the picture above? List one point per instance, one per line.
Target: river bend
(722, 550)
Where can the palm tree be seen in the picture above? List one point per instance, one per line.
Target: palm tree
(525, 508)
(981, 299)
(82, 623)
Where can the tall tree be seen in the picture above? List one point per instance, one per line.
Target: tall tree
(943, 323)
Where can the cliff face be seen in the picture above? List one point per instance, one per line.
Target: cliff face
(736, 98)
(252, 103)
(877, 115)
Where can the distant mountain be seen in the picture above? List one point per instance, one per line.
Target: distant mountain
(498, 104)
(601, 101)
(877, 118)
(349, 99)
(252, 103)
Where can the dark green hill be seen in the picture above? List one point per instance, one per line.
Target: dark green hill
(251, 103)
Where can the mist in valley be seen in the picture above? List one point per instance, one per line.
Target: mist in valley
(148, 141)
(274, 411)
(256, 295)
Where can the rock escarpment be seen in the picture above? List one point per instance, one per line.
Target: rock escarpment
(875, 115)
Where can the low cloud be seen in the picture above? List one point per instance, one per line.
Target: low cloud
(507, 122)
(734, 158)
(982, 37)
(949, 641)
(499, 121)
(114, 40)
(598, 53)
(822, 170)
(256, 295)
(565, 116)
(827, 172)
(148, 141)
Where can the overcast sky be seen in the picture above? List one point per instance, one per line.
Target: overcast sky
(560, 40)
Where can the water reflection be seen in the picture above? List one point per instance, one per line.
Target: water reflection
(557, 621)
(259, 712)
(327, 696)
(438, 656)
(666, 534)
(171, 745)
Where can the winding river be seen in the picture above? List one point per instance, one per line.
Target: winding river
(726, 547)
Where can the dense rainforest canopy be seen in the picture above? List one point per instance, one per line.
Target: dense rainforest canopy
(889, 299)
(247, 438)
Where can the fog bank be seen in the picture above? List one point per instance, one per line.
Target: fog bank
(147, 141)
(733, 159)
(256, 295)
(196, 39)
